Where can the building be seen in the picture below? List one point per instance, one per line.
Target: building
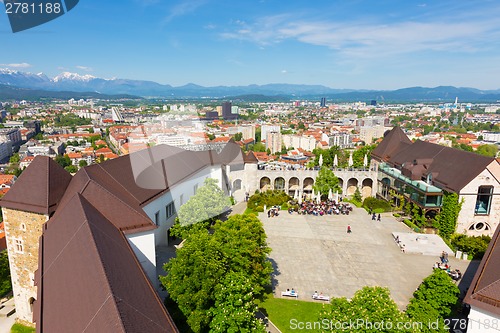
(424, 172)
(323, 102)
(299, 141)
(369, 133)
(88, 242)
(483, 295)
(339, 139)
(10, 134)
(268, 128)
(227, 111)
(273, 142)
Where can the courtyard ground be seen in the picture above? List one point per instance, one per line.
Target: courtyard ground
(315, 253)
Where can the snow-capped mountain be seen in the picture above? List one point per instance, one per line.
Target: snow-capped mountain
(22, 79)
(67, 76)
(87, 83)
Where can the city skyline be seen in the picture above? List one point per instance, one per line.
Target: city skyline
(354, 45)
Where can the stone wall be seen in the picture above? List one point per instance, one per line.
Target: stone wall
(26, 228)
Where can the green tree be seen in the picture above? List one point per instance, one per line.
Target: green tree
(258, 147)
(5, 282)
(82, 163)
(208, 203)
(446, 220)
(439, 291)
(63, 160)
(419, 311)
(71, 168)
(197, 276)
(357, 195)
(14, 159)
(238, 136)
(487, 150)
(235, 307)
(369, 305)
(325, 181)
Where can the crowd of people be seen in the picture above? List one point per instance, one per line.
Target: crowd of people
(454, 274)
(328, 207)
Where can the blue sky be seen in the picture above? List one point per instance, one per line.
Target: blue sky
(361, 44)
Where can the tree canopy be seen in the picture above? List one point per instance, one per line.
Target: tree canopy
(439, 291)
(208, 202)
(216, 277)
(369, 307)
(325, 181)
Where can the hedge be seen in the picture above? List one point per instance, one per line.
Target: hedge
(371, 204)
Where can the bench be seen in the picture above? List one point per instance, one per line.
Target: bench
(290, 294)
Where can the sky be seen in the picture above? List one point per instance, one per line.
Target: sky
(352, 44)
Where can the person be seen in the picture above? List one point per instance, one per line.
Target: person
(315, 295)
(269, 213)
(378, 218)
(446, 257)
(374, 217)
(293, 291)
(349, 229)
(403, 248)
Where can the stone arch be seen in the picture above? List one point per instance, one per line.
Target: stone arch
(352, 185)
(279, 183)
(385, 186)
(308, 184)
(366, 187)
(237, 185)
(293, 184)
(341, 183)
(431, 214)
(31, 302)
(265, 184)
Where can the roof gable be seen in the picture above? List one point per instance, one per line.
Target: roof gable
(111, 293)
(394, 141)
(484, 291)
(39, 188)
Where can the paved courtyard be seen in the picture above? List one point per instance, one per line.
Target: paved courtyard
(315, 253)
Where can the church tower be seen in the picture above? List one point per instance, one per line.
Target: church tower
(25, 208)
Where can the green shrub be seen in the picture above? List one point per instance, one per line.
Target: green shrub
(475, 246)
(268, 198)
(410, 224)
(285, 206)
(18, 328)
(396, 215)
(259, 209)
(378, 210)
(372, 203)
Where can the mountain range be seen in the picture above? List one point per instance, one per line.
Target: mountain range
(89, 85)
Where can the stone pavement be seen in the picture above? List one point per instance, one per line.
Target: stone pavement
(315, 253)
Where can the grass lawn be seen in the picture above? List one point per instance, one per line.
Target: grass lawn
(18, 328)
(281, 311)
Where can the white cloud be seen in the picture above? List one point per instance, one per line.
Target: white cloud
(85, 68)
(183, 8)
(370, 40)
(19, 65)
(284, 71)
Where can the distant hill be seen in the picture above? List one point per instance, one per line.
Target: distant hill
(88, 84)
(15, 93)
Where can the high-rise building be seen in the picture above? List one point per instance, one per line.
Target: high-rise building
(323, 102)
(227, 111)
(273, 141)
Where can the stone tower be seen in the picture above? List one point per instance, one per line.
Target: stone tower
(25, 208)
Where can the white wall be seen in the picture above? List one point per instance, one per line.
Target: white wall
(143, 244)
(481, 321)
(466, 218)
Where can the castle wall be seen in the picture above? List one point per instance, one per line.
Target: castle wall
(23, 230)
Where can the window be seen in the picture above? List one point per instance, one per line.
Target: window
(157, 218)
(18, 244)
(23, 226)
(483, 201)
(170, 210)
